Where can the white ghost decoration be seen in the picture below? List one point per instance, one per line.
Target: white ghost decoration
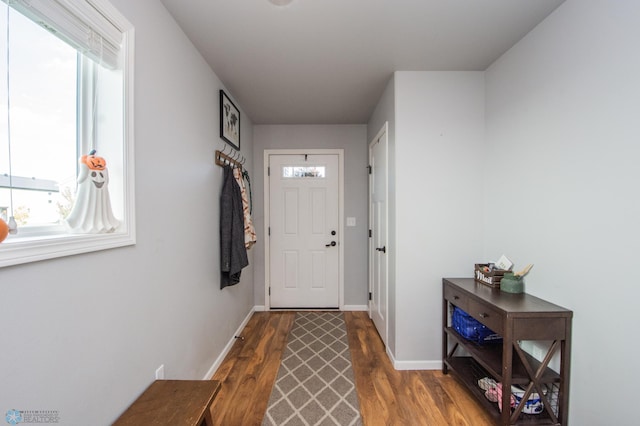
(92, 213)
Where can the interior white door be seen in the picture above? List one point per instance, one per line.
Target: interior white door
(378, 259)
(304, 225)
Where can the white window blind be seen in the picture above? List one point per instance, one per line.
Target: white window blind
(79, 23)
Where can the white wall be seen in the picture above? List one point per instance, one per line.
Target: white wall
(83, 335)
(439, 131)
(436, 131)
(436, 135)
(562, 127)
(350, 138)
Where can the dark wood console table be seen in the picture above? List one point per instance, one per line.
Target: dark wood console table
(515, 317)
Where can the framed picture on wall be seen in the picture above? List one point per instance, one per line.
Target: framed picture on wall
(229, 121)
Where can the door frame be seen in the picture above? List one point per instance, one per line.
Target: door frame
(383, 130)
(267, 212)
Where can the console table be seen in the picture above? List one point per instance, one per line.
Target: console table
(516, 317)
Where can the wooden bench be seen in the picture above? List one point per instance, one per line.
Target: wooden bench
(172, 402)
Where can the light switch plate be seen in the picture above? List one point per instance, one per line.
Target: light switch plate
(351, 221)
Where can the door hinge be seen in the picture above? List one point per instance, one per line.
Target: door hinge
(269, 231)
(369, 295)
(268, 171)
(269, 291)
(369, 167)
(370, 233)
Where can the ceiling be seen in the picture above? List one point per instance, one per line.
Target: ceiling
(328, 61)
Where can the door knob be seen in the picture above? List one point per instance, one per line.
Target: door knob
(382, 249)
(331, 244)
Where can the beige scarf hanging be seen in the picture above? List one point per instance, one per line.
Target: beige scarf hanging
(249, 231)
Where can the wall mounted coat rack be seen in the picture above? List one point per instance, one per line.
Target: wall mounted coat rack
(231, 159)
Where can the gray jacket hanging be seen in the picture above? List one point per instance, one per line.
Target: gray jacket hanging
(233, 254)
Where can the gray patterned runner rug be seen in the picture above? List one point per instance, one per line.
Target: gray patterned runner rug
(315, 383)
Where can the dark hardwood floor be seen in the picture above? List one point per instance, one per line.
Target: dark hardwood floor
(387, 396)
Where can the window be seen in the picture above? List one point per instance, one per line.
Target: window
(43, 88)
(303, 171)
(67, 90)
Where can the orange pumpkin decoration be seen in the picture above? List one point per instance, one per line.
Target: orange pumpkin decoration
(4, 230)
(93, 161)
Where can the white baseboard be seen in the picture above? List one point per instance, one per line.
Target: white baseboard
(355, 308)
(261, 308)
(414, 365)
(417, 365)
(227, 348)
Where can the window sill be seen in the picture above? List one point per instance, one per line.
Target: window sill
(16, 251)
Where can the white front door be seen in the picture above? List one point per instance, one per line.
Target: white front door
(378, 259)
(304, 231)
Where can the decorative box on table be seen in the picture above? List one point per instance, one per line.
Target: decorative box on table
(489, 277)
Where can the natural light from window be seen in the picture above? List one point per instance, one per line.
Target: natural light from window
(66, 128)
(44, 98)
(303, 171)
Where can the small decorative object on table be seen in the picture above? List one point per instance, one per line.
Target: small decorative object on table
(504, 263)
(514, 282)
(488, 274)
